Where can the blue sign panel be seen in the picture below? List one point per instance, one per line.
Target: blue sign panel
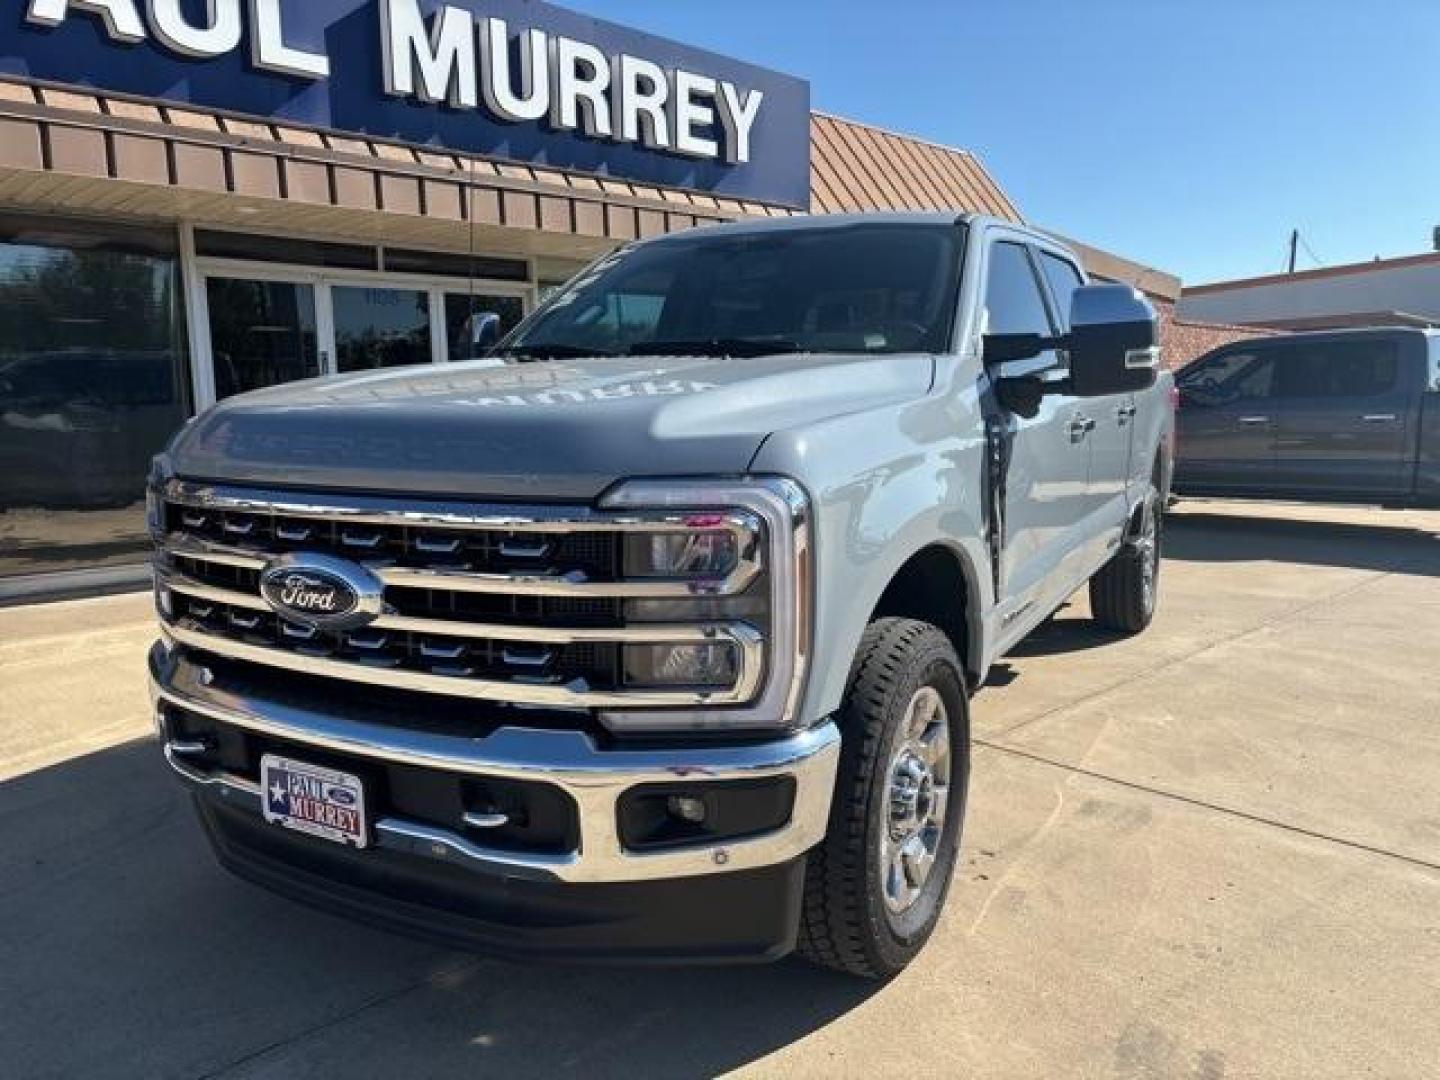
(517, 79)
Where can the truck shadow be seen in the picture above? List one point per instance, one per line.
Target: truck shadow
(1219, 538)
(1208, 537)
(129, 952)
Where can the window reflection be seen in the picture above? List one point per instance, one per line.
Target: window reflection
(475, 323)
(261, 333)
(92, 385)
(380, 328)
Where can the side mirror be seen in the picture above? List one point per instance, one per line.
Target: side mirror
(483, 333)
(1114, 341)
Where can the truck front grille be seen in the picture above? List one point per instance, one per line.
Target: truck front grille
(493, 603)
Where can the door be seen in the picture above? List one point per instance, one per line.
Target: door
(1047, 497)
(263, 325)
(377, 326)
(476, 321)
(1227, 423)
(1113, 416)
(262, 332)
(1345, 417)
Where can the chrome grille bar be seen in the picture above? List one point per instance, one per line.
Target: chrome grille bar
(189, 547)
(422, 515)
(632, 634)
(575, 695)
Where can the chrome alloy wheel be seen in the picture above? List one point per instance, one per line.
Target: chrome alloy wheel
(1147, 546)
(917, 796)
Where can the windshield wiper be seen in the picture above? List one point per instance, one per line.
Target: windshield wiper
(720, 347)
(551, 351)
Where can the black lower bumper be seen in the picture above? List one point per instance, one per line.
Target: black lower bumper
(739, 917)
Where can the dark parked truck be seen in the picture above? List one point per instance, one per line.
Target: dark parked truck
(650, 636)
(1348, 415)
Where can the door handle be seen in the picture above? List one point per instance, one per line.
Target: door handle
(1080, 427)
(1250, 421)
(1379, 418)
(1126, 412)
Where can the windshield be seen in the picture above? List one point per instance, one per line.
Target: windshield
(869, 288)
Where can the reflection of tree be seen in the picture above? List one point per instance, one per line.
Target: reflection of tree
(91, 370)
(52, 299)
(373, 348)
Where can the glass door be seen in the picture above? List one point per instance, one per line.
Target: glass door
(265, 325)
(476, 321)
(261, 333)
(380, 327)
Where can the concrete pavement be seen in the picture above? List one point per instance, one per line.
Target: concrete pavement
(1212, 851)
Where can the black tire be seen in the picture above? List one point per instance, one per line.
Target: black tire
(848, 923)
(1126, 592)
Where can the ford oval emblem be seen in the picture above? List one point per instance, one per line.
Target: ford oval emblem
(320, 591)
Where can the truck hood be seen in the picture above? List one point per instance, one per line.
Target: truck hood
(533, 431)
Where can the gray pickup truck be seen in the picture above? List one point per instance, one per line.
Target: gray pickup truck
(1347, 415)
(650, 637)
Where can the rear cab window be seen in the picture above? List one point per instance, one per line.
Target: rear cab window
(1338, 369)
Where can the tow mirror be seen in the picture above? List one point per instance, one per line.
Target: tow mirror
(1114, 341)
(483, 332)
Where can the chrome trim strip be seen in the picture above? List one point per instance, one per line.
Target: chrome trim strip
(570, 760)
(630, 634)
(539, 585)
(188, 547)
(421, 513)
(575, 695)
(739, 579)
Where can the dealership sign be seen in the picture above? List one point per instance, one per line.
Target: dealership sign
(517, 79)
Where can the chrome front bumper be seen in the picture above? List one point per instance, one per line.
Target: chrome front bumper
(570, 760)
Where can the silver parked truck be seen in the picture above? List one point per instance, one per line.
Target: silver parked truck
(650, 636)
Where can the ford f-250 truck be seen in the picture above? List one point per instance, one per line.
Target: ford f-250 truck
(650, 637)
(1345, 415)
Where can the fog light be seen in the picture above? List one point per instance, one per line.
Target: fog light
(686, 809)
(700, 664)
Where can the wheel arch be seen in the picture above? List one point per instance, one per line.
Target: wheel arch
(937, 585)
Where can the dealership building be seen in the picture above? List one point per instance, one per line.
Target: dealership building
(203, 198)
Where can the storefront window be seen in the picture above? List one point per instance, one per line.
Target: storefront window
(92, 385)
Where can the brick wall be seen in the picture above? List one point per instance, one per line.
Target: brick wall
(1184, 340)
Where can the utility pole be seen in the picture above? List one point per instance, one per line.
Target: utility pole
(1294, 244)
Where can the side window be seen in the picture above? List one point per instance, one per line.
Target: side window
(1013, 302)
(1228, 379)
(1339, 370)
(1064, 279)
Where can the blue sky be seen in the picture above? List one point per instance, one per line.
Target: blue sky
(1188, 134)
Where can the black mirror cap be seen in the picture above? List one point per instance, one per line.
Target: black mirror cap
(1004, 348)
(1114, 341)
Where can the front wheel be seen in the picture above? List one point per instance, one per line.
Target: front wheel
(875, 887)
(1126, 591)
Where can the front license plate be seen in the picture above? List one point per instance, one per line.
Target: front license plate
(309, 799)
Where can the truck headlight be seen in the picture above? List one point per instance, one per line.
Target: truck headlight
(698, 665)
(714, 553)
(740, 552)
